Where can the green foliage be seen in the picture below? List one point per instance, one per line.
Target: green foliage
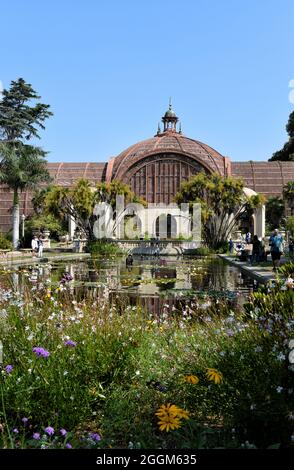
(287, 152)
(45, 222)
(18, 119)
(126, 363)
(107, 192)
(203, 251)
(274, 212)
(288, 194)
(290, 224)
(103, 248)
(5, 244)
(222, 203)
(22, 167)
(286, 270)
(80, 200)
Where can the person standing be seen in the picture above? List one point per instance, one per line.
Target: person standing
(276, 244)
(40, 247)
(256, 249)
(35, 246)
(248, 237)
(291, 246)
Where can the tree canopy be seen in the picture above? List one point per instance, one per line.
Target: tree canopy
(287, 152)
(222, 203)
(274, 213)
(22, 166)
(79, 201)
(19, 119)
(288, 194)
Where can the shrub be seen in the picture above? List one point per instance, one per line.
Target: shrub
(103, 248)
(5, 244)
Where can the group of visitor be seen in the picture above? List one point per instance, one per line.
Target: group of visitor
(37, 246)
(255, 249)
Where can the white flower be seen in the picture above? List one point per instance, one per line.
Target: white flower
(281, 357)
(279, 389)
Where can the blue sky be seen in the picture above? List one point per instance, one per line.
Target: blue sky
(108, 68)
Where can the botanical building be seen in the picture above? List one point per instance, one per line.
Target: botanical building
(156, 167)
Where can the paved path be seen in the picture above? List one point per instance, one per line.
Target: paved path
(262, 274)
(14, 258)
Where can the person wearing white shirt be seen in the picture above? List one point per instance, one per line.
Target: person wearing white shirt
(35, 245)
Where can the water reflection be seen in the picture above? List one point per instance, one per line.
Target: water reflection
(156, 284)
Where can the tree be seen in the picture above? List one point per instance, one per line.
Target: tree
(287, 152)
(18, 119)
(22, 167)
(288, 194)
(290, 225)
(274, 211)
(222, 203)
(79, 201)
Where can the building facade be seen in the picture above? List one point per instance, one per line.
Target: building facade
(156, 167)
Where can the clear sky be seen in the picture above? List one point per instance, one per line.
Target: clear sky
(108, 68)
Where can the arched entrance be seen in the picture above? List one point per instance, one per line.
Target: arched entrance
(166, 226)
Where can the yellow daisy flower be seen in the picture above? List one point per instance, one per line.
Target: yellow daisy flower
(183, 414)
(214, 376)
(191, 379)
(169, 423)
(170, 417)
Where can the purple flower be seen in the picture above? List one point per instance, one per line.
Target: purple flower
(24, 420)
(95, 436)
(63, 432)
(49, 430)
(9, 369)
(68, 446)
(41, 352)
(15, 430)
(70, 343)
(36, 436)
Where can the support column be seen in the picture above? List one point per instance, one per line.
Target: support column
(259, 222)
(71, 227)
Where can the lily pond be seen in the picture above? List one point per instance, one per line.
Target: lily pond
(155, 284)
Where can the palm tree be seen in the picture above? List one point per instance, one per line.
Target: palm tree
(288, 193)
(22, 167)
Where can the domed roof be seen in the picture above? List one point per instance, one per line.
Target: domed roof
(167, 142)
(170, 113)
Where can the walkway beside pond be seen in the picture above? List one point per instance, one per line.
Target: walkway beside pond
(16, 258)
(262, 274)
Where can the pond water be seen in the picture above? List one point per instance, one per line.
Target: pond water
(154, 283)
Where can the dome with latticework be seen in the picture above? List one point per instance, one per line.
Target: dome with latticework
(169, 143)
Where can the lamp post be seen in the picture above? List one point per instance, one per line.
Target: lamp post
(22, 225)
